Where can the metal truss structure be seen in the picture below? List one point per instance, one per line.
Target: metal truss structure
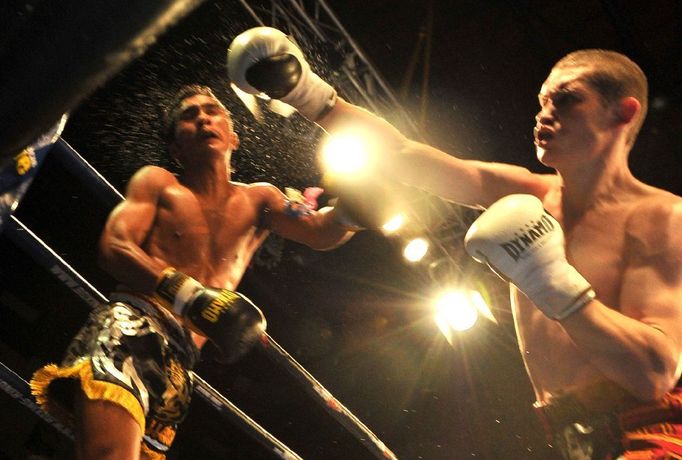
(313, 24)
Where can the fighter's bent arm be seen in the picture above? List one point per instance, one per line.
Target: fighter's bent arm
(128, 225)
(640, 347)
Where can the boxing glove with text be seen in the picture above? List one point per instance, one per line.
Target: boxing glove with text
(227, 318)
(524, 244)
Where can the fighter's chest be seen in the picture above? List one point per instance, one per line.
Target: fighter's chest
(596, 246)
(214, 222)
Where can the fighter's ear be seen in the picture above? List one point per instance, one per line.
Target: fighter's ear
(234, 139)
(627, 109)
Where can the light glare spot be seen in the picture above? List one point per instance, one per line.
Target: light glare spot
(394, 223)
(344, 154)
(455, 311)
(416, 249)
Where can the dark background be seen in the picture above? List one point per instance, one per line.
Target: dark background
(358, 318)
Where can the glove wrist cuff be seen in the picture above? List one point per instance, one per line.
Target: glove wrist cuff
(312, 96)
(562, 292)
(578, 304)
(177, 288)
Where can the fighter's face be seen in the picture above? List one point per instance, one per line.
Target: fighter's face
(203, 126)
(573, 123)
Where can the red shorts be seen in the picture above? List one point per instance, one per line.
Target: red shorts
(642, 432)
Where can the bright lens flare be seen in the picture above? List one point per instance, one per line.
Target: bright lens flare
(480, 304)
(455, 311)
(416, 249)
(394, 224)
(344, 154)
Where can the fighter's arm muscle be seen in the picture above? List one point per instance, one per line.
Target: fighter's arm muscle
(639, 346)
(468, 182)
(127, 227)
(652, 283)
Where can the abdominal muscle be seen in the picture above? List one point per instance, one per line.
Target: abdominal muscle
(554, 364)
(193, 256)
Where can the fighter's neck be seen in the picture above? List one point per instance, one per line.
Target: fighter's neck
(212, 179)
(583, 190)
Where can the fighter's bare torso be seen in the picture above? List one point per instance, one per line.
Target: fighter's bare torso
(600, 243)
(210, 238)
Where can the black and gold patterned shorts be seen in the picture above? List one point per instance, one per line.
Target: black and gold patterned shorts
(133, 354)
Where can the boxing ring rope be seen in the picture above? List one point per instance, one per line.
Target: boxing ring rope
(28, 241)
(333, 406)
(229, 410)
(19, 390)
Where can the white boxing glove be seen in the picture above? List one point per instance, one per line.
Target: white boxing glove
(524, 244)
(264, 60)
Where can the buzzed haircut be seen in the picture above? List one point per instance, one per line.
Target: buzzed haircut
(614, 76)
(172, 112)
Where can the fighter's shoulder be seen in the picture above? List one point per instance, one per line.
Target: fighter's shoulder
(261, 190)
(154, 175)
(151, 179)
(655, 218)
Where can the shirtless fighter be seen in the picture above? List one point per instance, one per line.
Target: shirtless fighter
(593, 255)
(179, 245)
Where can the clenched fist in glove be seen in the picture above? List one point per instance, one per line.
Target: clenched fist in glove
(227, 318)
(524, 244)
(264, 60)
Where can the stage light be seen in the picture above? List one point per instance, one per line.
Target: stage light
(344, 154)
(394, 224)
(455, 312)
(416, 249)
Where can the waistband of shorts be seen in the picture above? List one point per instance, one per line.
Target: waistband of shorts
(149, 305)
(566, 410)
(155, 308)
(146, 303)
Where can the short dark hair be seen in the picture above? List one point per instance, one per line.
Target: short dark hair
(614, 77)
(171, 112)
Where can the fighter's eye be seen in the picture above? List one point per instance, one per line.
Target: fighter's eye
(214, 110)
(189, 113)
(565, 97)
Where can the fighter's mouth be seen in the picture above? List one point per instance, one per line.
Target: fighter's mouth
(543, 135)
(207, 135)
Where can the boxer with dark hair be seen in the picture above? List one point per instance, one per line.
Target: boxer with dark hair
(594, 256)
(179, 245)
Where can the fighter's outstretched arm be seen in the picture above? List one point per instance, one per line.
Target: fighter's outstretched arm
(263, 59)
(468, 182)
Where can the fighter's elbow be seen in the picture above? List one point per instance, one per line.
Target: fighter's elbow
(105, 259)
(330, 242)
(653, 389)
(658, 381)
(103, 255)
(323, 245)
